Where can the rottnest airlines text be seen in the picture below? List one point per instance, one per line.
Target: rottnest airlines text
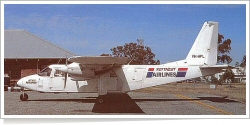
(165, 69)
(164, 74)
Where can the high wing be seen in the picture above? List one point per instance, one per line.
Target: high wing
(91, 67)
(99, 60)
(102, 63)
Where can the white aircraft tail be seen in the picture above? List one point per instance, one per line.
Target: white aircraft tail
(204, 49)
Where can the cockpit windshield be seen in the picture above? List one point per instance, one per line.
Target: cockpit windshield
(45, 72)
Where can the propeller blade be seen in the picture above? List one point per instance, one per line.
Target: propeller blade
(66, 74)
(65, 80)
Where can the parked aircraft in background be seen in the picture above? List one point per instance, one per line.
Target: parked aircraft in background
(113, 74)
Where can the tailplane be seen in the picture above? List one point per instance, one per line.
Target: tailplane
(205, 47)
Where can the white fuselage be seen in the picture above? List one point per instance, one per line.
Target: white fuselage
(121, 79)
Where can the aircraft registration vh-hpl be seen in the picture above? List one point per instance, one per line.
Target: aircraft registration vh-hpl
(103, 74)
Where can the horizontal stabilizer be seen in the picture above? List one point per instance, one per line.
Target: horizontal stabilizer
(211, 70)
(217, 67)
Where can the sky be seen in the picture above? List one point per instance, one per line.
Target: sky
(93, 29)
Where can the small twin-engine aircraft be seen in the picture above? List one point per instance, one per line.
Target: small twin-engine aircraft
(113, 74)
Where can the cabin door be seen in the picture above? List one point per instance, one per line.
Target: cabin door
(57, 81)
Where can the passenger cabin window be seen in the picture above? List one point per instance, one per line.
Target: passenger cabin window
(59, 73)
(45, 72)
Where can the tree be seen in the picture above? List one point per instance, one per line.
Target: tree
(237, 64)
(224, 48)
(243, 62)
(137, 54)
(105, 54)
(228, 76)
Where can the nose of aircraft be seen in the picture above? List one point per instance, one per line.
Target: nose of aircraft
(20, 82)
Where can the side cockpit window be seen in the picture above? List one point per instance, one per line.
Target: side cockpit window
(45, 72)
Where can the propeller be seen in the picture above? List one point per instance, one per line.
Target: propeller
(66, 73)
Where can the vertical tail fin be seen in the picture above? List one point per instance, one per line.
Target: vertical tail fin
(204, 49)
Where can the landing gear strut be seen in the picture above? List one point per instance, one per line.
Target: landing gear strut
(102, 89)
(24, 97)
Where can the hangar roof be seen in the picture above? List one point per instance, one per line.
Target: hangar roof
(20, 44)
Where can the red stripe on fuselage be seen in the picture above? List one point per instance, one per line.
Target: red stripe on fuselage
(182, 69)
(151, 69)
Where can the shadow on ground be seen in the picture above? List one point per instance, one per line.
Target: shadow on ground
(117, 103)
(217, 99)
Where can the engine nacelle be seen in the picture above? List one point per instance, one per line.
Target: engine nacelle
(78, 72)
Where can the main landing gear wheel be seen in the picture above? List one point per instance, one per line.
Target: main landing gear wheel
(101, 99)
(24, 97)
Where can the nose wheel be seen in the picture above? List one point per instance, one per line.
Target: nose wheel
(24, 97)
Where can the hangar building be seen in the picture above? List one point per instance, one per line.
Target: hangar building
(26, 54)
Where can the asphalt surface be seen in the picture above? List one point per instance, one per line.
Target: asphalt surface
(132, 103)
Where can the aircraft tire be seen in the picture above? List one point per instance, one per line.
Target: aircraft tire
(100, 101)
(24, 97)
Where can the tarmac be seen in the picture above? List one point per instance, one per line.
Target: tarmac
(134, 104)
